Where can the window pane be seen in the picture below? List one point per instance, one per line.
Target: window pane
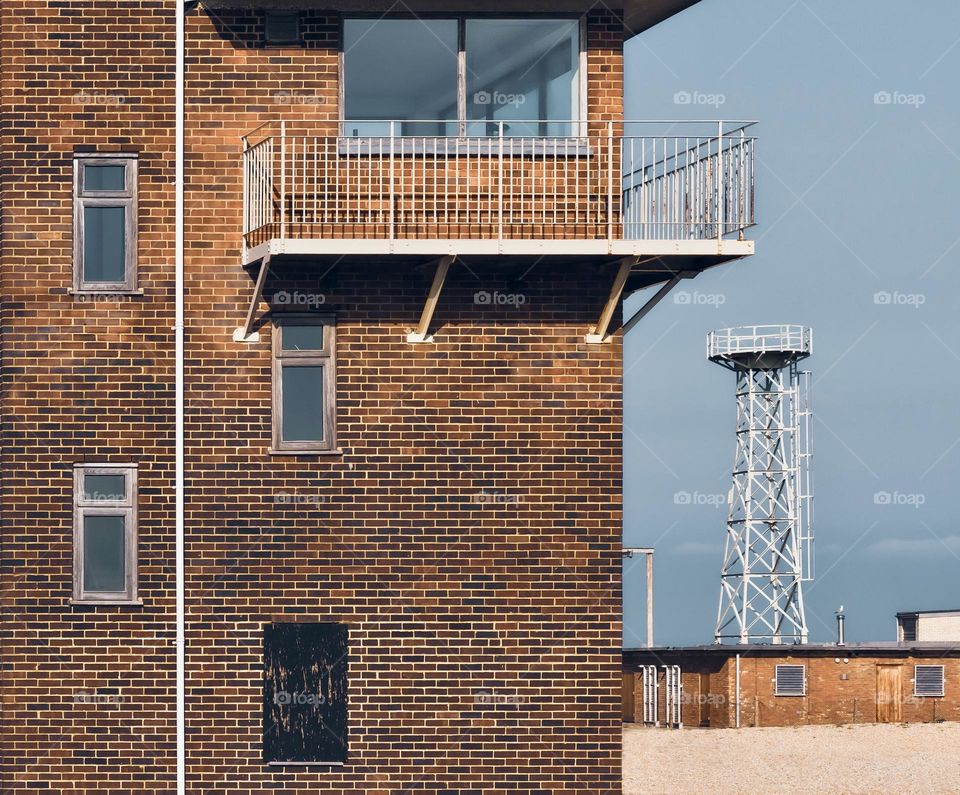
(523, 70)
(103, 554)
(302, 390)
(104, 244)
(104, 487)
(400, 69)
(104, 178)
(301, 338)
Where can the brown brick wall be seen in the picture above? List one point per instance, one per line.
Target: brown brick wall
(469, 533)
(88, 693)
(837, 692)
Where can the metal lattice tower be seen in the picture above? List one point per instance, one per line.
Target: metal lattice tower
(769, 543)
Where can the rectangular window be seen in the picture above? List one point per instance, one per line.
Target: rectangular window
(304, 381)
(305, 693)
(791, 680)
(458, 76)
(928, 680)
(105, 223)
(105, 533)
(908, 629)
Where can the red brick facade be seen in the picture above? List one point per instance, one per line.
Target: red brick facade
(468, 533)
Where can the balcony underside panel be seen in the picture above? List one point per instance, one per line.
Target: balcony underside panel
(660, 259)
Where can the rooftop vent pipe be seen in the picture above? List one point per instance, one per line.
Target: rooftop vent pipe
(840, 619)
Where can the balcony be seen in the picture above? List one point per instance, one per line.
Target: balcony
(680, 193)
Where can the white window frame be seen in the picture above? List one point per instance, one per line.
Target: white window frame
(916, 677)
(127, 508)
(126, 198)
(776, 681)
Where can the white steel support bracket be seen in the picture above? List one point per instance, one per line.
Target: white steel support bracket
(655, 299)
(243, 334)
(422, 332)
(598, 333)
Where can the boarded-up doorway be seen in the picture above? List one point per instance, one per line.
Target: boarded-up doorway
(888, 694)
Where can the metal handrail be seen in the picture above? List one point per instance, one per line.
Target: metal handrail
(603, 183)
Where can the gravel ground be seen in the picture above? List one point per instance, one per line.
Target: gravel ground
(869, 759)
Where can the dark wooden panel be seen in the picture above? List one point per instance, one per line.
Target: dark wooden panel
(305, 693)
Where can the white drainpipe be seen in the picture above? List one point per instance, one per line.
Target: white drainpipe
(737, 693)
(179, 406)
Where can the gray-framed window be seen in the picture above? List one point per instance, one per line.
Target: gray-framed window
(457, 75)
(928, 680)
(790, 680)
(304, 383)
(105, 223)
(105, 533)
(282, 27)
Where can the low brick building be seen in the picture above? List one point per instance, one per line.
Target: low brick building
(796, 685)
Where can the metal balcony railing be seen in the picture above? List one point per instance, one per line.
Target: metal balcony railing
(620, 181)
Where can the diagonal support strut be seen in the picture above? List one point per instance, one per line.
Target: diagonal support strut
(422, 332)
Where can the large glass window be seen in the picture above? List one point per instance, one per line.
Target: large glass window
(105, 533)
(462, 76)
(520, 71)
(402, 70)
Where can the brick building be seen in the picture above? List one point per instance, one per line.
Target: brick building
(726, 686)
(371, 516)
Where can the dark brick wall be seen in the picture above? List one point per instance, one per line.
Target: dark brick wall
(468, 533)
(88, 693)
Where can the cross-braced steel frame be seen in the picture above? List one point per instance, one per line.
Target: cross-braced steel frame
(767, 554)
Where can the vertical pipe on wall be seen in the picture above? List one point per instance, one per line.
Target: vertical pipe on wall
(736, 696)
(178, 400)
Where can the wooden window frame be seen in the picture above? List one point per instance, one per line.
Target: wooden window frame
(127, 508)
(325, 358)
(943, 681)
(776, 681)
(127, 198)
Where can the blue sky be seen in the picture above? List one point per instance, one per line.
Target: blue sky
(859, 237)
